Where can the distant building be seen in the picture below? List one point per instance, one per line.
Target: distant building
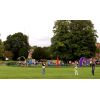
(98, 50)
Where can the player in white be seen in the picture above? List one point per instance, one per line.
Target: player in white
(76, 68)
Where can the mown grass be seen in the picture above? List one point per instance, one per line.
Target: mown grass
(14, 72)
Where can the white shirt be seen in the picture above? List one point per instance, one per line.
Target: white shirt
(43, 66)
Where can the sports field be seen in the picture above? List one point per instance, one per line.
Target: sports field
(12, 72)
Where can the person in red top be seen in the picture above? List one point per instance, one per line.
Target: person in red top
(57, 61)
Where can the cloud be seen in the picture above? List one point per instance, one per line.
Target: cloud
(44, 41)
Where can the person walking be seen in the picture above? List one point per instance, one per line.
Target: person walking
(76, 68)
(93, 67)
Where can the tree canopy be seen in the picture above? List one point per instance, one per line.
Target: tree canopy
(1, 49)
(17, 44)
(73, 39)
(41, 53)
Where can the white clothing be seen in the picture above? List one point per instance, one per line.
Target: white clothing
(43, 66)
(76, 70)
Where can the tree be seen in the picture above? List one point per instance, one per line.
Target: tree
(48, 54)
(41, 53)
(73, 39)
(15, 43)
(1, 48)
(23, 52)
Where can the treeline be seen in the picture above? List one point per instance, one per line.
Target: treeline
(17, 45)
(72, 39)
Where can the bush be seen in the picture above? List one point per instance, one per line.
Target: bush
(10, 63)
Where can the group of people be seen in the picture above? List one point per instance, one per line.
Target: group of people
(92, 65)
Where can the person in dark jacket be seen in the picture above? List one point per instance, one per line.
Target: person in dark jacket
(43, 68)
(93, 67)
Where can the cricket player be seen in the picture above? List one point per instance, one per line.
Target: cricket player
(43, 68)
(76, 68)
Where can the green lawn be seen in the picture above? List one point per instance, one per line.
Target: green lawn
(12, 72)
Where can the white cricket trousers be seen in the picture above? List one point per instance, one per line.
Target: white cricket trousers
(76, 72)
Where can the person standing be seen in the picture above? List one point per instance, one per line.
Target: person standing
(76, 68)
(43, 68)
(93, 67)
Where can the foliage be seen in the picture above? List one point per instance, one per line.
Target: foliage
(17, 43)
(73, 39)
(1, 48)
(41, 53)
(11, 63)
(48, 53)
(8, 54)
(23, 52)
(97, 50)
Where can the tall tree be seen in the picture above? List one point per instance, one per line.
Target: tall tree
(1, 48)
(73, 39)
(23, 52)
(41, 53)
(15, 43)
(48, 54)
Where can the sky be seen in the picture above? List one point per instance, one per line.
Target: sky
(36, 18)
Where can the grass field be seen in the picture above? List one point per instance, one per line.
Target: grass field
(12, 72)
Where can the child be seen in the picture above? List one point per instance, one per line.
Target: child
(43, 68)
(76, 68)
